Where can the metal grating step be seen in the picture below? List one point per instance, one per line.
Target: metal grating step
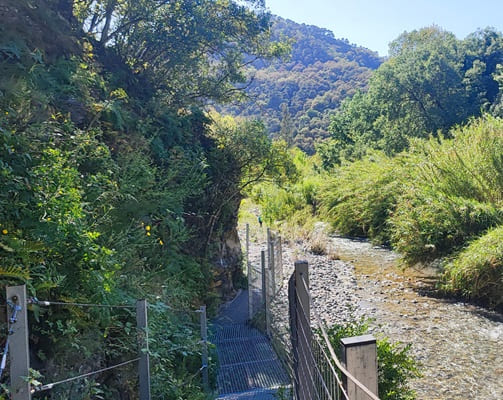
(221, 333)
(244, 377)
(249, 368)
(257, 394)
(245, 350)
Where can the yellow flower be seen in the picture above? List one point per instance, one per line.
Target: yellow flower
(48, 218)
(148, 233)
(147, 228)
(6, 113)
(5, 231)
(161, 242)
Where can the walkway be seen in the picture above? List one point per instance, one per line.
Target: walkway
(249, 368)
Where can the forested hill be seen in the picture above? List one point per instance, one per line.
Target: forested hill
(295, 97)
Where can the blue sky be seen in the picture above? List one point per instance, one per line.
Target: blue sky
(374, 24)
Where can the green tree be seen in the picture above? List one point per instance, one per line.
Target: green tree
(287, 128)
(431, 82)
(190, 50)
(244, 155)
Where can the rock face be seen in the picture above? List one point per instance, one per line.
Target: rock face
(228, 269)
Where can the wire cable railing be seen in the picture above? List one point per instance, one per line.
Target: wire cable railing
(48, 386)
(330, 360)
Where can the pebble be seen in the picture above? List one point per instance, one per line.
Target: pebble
(451, 341)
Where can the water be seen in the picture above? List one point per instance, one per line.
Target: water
(459, 346)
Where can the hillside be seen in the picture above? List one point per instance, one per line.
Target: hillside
(295, 97)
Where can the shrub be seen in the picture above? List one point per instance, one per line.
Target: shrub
(359, 199)
(395, 365)
(477, 272)
(427, 224)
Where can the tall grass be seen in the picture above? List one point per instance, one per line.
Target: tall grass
(359, 199)
(477, 272)
(454, 194)
(426, 202)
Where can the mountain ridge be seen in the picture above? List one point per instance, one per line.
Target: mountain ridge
(296, 97)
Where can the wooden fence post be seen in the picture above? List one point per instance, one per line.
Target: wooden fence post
(360, 357)
(144, 364)
(18, 343)
(304, 334)
(204, 343)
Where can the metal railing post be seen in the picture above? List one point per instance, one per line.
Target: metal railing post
(267, 302)
(249, 273)
(144, 363)
(18, 343)
(272, 268)
(204, 343)
(280, 259)
(304, 334)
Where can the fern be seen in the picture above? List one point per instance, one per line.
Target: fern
(14, 272)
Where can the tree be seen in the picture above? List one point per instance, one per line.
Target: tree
(483, 54)
(190, 50)
(244, 155)
(431, 82)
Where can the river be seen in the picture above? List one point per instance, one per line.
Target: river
(459, 346)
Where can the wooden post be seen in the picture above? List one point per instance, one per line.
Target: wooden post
(360, 357)
(144, 364)
(267, 307)
(18, 343)
(249, 273)
(305, 368)
(204, 343)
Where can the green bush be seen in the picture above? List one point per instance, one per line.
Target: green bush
(477, 271)
(427, 224)
(360, 197)
(395, 365)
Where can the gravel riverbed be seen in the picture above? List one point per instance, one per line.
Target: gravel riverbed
(459, 346)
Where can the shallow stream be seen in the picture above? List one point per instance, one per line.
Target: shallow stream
(459, 346)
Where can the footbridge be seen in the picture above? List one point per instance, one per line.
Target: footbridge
(272, 345)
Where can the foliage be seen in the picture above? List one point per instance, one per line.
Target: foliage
(360, 197)
(431, 82)
(428, 202)
(395, 365)
(108, 187)
(180, 40)
(477, 271)
(295, 202)
(455, 194)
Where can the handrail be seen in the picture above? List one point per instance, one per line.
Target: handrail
(332, 352)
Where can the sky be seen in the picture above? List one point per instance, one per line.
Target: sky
(375, 23)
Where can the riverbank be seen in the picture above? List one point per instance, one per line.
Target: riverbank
(459, 346)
